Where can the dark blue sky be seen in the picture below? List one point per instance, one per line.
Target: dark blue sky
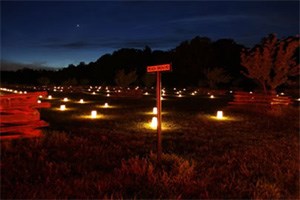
(59, 33)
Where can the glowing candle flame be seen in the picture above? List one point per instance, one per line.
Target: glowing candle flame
(93, 114)
(62, 107)
(220, 115)
(65, 99)
(81, 101)
(106, 105)
(154, 123)
(154, 110)
(49, 97)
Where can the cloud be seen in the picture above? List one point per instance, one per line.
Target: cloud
(114, 43)
(211, 19)
(70, 45)
(7, 65)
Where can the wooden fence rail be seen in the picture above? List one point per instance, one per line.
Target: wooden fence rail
(258, 102)
(19, 115)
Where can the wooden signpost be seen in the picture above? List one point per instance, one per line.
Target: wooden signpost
(158, 69)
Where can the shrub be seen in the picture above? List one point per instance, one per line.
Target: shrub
(143, 178)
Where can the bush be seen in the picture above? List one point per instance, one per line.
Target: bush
(142, 178)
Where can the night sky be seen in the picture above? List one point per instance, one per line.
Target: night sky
(56, 34)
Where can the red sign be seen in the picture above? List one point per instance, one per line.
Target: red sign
(156, 68)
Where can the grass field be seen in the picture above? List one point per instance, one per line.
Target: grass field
(244, 156)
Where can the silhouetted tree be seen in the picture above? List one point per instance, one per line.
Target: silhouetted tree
(43, 81)
(272, 62)
(149, 79)
(122, 79)
(70, 82)
(215, 76)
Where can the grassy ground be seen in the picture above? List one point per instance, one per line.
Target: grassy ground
(245, 156)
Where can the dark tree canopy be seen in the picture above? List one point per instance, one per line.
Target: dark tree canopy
(191, 62)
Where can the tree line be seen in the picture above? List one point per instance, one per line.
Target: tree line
(199, 62)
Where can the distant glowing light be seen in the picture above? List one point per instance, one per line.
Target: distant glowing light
(62, 107)
(146, 93)
(282, 93)
(211, 96)
(108, 95)
(49, 97)
(81, 101)
(106, 105)
(230, 91)
(40, 96)
(39, 101)
(193, 93)
(298, 99)
(250, 92)
(220, 115)
(154, 111)
(66, 99)
(94, 114)
(179, 95)
(94, 92)
(153, 123)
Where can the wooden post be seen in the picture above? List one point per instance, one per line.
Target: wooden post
(158, 69)
(159, 118)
